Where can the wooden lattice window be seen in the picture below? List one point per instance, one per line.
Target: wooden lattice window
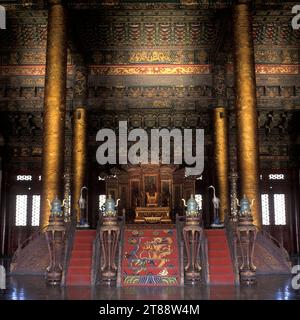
(21, 210)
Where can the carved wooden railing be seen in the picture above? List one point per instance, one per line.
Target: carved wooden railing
(278, 244)
(120, 249)
(232, 242)
(21, 246)
(179, 226)
(202, 258)
(68, 247)
(96, 257)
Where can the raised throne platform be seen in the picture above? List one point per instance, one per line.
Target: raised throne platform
(152, 215)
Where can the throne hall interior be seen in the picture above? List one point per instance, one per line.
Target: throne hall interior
(71, 68)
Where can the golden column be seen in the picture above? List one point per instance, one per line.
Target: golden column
(79, 158)
(246, 113)
(221, 154)
(54, 108)
(221, 158)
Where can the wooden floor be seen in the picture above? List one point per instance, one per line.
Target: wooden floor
(271, 287)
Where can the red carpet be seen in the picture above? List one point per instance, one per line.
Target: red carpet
(220, 264)
(150, 256)
(79, 272)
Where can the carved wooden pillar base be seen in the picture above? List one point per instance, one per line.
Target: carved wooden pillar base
(247, 277)
(55, 235)
(192, 235)
(109, 236)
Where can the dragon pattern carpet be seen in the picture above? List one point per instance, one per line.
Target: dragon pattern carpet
(150, 256)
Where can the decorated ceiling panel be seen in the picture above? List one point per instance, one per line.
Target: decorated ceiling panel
(152, 64)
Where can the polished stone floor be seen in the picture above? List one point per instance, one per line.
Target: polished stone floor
(34, 288)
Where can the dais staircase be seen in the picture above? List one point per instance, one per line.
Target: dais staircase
(80, 266)
(143, 262)
(82, 263)
(221, 269)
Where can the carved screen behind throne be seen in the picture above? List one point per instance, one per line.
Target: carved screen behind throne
(151, 190)
(166, 193)
(135, 193)
(150, 183)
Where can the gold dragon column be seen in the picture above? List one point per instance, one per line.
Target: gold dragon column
(221, 154)
(54, 108)
(79, 156)
(245, 105)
